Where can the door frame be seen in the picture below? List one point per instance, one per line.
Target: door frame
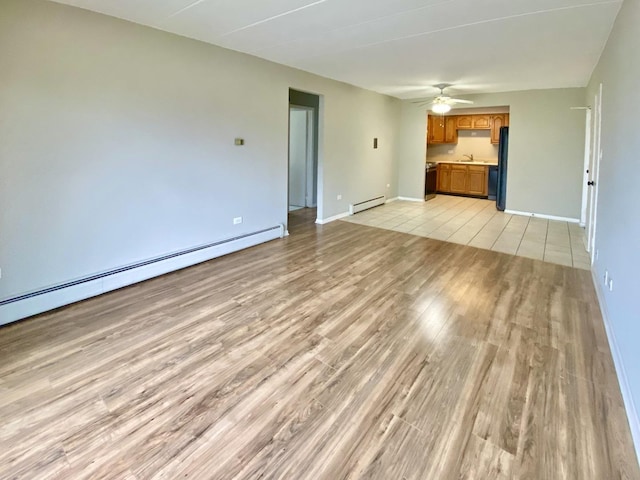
(586, 169)
(594, 176)
(310, 175)
(314, 100)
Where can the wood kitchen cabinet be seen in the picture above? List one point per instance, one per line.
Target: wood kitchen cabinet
(435, 129)
(463, 179)
(477, 180)
(473, 122)
(450, 130)
(444, 177)
(464, 122)
(441, 129)
(497, 121)
(481, 122)
(459, 179)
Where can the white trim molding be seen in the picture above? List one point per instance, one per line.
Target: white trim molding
(629, 404)
(392, 199)
(542, 215)
(332, 219)
(411, 199)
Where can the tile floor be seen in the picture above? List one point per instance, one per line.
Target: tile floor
(477, 223)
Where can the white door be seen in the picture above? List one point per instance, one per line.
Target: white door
(593, 177)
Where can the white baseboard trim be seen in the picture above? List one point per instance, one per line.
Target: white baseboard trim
(411, 199)
(65, 295)
(629, 404)
(332, 219)
(392, 199)
(542, 215)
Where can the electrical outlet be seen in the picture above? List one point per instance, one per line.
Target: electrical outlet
(339, 197)
(606, 277)
(237, 220)
(611, 284)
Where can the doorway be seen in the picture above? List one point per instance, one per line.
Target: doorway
(302, 189)
(301, 161)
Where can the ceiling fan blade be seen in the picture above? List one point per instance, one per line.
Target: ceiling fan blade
(459, 100)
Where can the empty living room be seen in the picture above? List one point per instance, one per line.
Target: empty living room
(319, 239)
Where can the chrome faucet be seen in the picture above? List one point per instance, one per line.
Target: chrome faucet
(470, 157)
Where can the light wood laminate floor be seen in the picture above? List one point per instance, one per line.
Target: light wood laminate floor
(342, 351)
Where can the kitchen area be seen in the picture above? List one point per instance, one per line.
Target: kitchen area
(466, 154)
(466, 162)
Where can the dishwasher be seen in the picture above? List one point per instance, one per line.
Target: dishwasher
(431, 180)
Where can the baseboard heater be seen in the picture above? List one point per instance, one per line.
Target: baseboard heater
(366, 204)
(32, 303)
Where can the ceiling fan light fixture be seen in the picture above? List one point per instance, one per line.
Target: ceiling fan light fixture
(441, 108)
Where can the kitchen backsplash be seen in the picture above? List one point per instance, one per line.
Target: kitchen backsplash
(476, 142)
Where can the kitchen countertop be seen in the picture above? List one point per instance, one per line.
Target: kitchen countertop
(467, 162)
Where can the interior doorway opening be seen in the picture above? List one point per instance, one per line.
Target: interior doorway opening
(301, 159)
(302, 188)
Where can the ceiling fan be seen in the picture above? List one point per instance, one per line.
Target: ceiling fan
(442, 103)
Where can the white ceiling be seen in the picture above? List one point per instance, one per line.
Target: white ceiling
(398, 47)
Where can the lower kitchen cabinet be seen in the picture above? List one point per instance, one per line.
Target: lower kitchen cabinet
(463, 179)
(477, 180)
(444, 177)
(459, 182)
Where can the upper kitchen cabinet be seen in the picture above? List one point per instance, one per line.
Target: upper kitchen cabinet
(497, 121)
(441, 130)
(450, 130)
(435, 129)
(473, 122)
(481, 122)
(464, 121)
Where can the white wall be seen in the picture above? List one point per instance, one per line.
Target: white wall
(546, 149)
(618, 214)
(117, 143)
(412, 151)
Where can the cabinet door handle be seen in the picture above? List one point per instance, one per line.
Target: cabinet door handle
(591, 184)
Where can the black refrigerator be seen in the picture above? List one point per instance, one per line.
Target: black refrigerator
(501, 182)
